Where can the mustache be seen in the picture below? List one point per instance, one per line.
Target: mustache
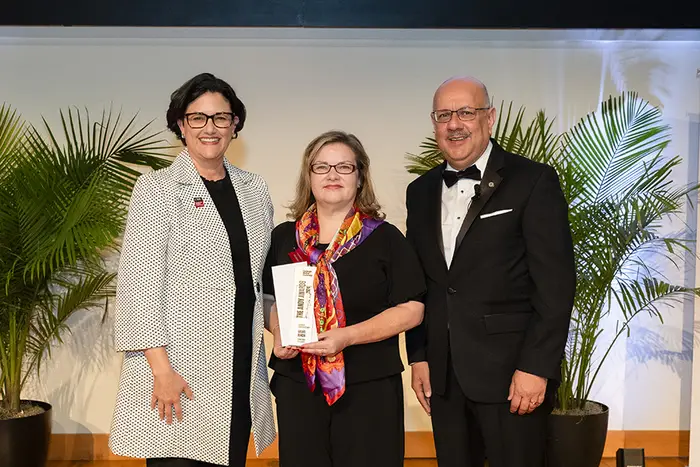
(459, 134)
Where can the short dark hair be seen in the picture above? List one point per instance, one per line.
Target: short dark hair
(191, 90)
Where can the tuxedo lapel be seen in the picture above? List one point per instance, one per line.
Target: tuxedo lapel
(426, 224)
(434, 207)
(489, 184)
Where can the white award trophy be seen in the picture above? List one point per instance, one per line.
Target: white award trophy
(294, 295)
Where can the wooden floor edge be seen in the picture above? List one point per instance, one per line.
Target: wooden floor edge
(419, 445)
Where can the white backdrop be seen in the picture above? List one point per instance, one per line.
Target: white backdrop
(377, 84)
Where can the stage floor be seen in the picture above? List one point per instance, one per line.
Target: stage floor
(608, 462)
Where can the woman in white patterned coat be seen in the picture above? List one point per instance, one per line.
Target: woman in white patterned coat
(189, 313)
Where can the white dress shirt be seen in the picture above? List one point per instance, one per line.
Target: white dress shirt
(455, 204)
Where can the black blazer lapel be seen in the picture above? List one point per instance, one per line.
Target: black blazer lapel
(489, 184)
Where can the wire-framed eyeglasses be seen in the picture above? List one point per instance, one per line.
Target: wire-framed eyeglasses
(465, 114)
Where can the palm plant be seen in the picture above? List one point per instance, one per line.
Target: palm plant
(63, 207)
(620, 190)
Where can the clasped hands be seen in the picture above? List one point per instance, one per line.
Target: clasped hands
(329, 344)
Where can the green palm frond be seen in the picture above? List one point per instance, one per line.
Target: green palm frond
(537, 140)
(90, 181)
(613, 144)
(11, 130)
(633, 298)
(64, 206)
(624, 196)
(508, 133)
(429, 157)
(82, 289)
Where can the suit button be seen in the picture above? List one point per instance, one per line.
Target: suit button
(451, 291)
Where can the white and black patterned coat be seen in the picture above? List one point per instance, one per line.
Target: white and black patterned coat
(176, 289)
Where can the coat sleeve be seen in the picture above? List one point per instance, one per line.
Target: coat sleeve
(550, 260)
(141, 279)
(266, 274)
(268, 206)
(415, 338)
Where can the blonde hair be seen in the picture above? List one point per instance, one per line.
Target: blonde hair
(365, 199)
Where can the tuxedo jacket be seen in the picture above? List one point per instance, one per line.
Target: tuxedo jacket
(505, 302)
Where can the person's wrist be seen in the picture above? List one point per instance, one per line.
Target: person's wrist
(161, 371)
(277, 337)
(351, 336)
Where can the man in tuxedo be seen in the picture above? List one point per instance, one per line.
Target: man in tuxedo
(492, 233)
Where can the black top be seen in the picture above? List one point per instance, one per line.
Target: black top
(226, 201)
(380, 273)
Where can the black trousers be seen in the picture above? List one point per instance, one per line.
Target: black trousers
(466, 432)
(365, 427)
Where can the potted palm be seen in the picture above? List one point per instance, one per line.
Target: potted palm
(63, 206)
(620, 189)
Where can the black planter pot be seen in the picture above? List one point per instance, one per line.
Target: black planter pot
(577, 440)
(24, 442)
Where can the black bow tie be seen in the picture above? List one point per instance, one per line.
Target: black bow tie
(450, 176)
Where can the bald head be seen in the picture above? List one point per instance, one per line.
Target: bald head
(468, 84)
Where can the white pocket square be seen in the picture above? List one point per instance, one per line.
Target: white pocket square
(494, 213)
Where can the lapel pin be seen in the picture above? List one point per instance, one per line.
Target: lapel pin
(491, 184)
(198, 202)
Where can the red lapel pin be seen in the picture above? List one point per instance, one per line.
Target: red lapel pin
(198, 202)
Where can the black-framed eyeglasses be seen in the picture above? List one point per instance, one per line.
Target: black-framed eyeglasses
(465, 114)
(198, 120)
(344, 168)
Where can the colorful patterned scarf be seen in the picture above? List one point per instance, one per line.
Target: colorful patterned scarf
(328, 304)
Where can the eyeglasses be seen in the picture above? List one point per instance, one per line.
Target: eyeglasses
(344, 168)
(465, 114)
(198, 120)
